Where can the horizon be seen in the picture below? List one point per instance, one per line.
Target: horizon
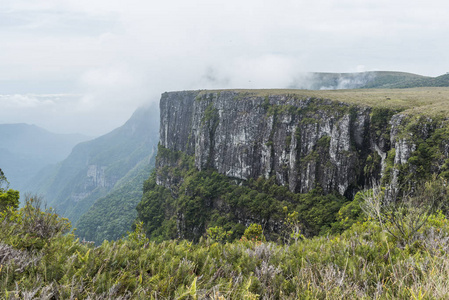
(305, 80)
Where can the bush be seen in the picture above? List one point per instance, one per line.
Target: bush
(403, 216)
(31, 227)
(254, 232)
(8, 197)
(218, 234)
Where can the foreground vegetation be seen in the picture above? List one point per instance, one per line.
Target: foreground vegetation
(390, 251)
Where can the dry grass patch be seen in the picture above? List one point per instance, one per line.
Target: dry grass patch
(429, 101)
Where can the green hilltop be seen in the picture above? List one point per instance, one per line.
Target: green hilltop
(424, 100)
(366, 80)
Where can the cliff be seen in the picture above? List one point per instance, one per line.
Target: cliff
(337, 142)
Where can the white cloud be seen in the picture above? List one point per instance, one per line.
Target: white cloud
(119, 54)
(64, 113)
(24, 101)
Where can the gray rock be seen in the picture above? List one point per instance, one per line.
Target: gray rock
(305, 143)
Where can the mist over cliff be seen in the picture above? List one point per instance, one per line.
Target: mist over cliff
(363, 80)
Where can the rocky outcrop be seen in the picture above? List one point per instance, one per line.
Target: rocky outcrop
(96, 176)
(301, 141)
(302, 151)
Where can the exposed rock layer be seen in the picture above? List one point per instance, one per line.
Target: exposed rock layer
(306, 144)
(301, 141)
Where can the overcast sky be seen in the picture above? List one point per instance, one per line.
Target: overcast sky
(85, 65)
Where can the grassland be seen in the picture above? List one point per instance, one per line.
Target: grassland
(432, 101)
(365, 262)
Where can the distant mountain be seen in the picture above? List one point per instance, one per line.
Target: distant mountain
(111, 216)
(440, 81)
(97, 167)
(363, 80)
(26, 149)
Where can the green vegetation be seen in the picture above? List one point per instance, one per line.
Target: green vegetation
(254, 232)
(431, 101)
(403, 215)
(8, 197)
(426, 139)
(392, 79)
(206, 199)
(377, 257)
(380, 116)
(114, 214)
(210, 114)
(376, 79)
(193, 201)
(99, 184)
(439, 81)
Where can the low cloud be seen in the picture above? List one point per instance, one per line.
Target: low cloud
(115, 56)
(64, 113)
(27, 101)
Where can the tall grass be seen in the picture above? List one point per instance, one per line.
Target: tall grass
(364, 262)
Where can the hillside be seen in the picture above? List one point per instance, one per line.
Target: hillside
(95, 168)
(367, 80)
(440, 81)
(26, 149)
(112, 216)
(230, 158)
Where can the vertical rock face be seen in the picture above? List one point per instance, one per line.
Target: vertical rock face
(303, 142)
(306, 144)
(96, 176)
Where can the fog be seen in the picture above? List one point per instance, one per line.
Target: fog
(85, 66)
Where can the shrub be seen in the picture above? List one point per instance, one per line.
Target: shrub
(254, 232)
(8, 197)
(31, 227)
(403, 216)
(218, 234)
(138, 236)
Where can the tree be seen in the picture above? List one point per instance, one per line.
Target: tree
(218, 234)
(3, 181)
(8, 197)
(294, 225)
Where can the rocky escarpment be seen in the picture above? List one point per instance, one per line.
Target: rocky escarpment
(316, 149)
(303, 142)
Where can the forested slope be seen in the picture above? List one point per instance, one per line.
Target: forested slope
(101, 166)
(111, 216)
